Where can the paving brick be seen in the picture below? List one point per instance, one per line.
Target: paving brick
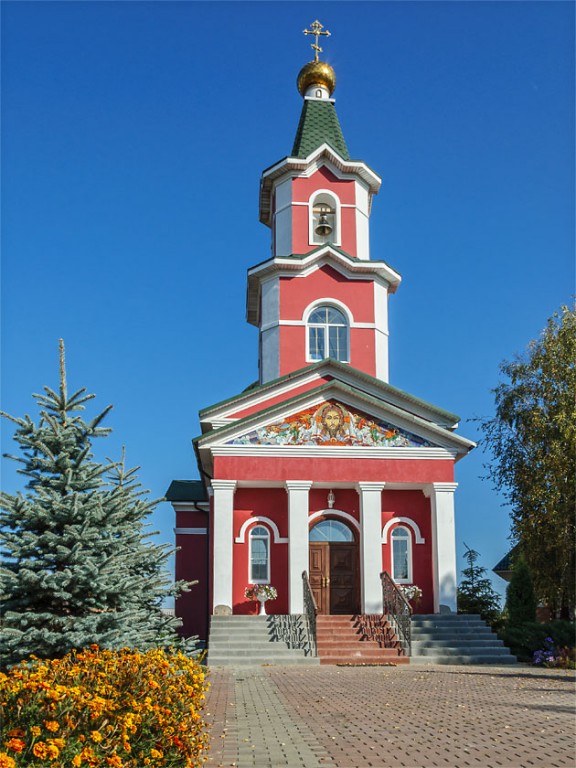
(356, 717)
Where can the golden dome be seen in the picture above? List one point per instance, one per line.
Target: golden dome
(316, 73)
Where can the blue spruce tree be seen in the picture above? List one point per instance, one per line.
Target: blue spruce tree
(78, 567)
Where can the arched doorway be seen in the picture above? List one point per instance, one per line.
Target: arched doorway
(334, 567)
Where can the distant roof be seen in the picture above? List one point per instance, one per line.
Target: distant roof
(186, 490)
(318, 125)
(504, 567)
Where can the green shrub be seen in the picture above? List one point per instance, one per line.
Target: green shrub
(530, 636)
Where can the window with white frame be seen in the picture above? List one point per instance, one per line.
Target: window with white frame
(324, 223)
(259, 557)
(327, 334)
(401, 555)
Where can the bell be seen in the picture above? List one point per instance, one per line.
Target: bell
(323, 227)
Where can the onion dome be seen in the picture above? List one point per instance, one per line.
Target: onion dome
(316, 73)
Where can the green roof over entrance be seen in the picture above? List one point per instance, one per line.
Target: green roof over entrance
(318, 125)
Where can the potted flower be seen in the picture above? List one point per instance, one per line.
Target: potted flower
(412, 593)
(261, 592)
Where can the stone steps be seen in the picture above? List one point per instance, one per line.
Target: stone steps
(456, 639)
(342, 640)
(254, 640)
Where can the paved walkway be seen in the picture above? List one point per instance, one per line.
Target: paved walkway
(413, 716)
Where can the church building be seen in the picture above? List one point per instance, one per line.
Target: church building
(321, 472)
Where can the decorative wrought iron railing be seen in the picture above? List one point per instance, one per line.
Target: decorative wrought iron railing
(377, 627)
(311, 611)
(398, 610)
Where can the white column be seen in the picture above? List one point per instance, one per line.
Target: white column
(223, 542)
(298, 491)
(443, 545)
(371, 545)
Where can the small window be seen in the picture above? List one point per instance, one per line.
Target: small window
(327, 334)
(259, 555)
(401, 555)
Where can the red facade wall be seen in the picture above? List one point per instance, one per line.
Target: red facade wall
(192, 564)
(415, 506)
(333, 469)
(271, 503)
(303, 188)
(296, 293)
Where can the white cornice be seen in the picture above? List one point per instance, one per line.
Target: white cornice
(333, 452)
(322, 156)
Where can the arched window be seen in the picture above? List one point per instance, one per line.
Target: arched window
(324, 219)
(401, 555)
(331, 530)
(327, 334)
(259, 555)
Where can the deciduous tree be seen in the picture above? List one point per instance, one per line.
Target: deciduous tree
(532, 439)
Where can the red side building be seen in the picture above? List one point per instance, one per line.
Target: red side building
(322, 465)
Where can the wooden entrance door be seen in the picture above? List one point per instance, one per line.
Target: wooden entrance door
(334, 576)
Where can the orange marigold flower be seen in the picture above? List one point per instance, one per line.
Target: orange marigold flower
(52, 725)
(35, 731)
(16, 732)
(6, 761)
(15, 745)
(40, 750)
(96, 736)
(53, 751)
(76, 761)
(156, 754)
(115, 761)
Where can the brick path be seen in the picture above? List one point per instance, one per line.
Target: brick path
(412, 716)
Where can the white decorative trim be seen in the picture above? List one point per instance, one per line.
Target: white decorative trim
(199, 531)
(418, 538)
(335, 513)
(191, 506)
(223, 485)
(326, 300)
(337, 217)
(241, 538)
(369, 485)
(337, 451)
(301, 323)
(251, 538)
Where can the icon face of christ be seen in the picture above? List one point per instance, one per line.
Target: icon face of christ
(332, 420)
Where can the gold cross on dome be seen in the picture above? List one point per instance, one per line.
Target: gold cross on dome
(316, 30)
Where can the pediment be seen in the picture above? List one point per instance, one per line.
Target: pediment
(332, 423)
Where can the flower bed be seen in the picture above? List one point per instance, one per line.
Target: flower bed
(96, 708)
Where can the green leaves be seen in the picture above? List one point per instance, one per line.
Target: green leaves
(532, 439)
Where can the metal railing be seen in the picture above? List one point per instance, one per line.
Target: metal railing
(310, 611)
(398, 610)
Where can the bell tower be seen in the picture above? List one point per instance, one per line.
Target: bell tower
(319, 295)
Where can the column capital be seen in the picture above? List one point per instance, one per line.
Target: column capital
(363, 487)
(298, 485)
(434, 488)
(224, 485)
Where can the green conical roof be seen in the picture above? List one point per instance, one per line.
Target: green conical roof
(318, 125)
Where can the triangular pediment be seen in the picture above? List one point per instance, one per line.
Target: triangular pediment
(332, 423)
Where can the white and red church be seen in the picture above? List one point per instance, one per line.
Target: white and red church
(321, 466)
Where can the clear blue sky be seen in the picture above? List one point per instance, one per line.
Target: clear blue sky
(133, 138)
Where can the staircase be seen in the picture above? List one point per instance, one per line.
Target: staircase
(253, 640)
(456, 639)
(357, 640)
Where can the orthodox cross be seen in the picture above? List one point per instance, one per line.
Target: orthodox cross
(316, 31)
